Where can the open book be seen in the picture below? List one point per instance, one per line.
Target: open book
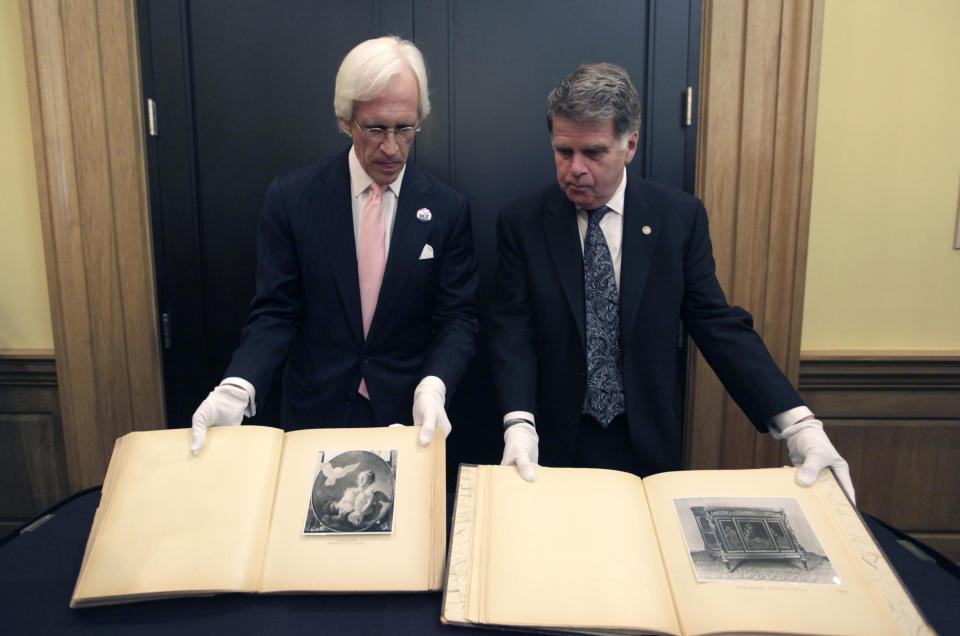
(693, 552)
(260, 510)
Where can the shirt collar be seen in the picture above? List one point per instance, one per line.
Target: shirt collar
(360, 180)
(616, 202)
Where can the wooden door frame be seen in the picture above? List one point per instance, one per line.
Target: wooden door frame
(760, 69)
(85, 101)
(760, 63)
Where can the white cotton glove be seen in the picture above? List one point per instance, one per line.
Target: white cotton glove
(520, 447)
(225, 406)
(428, 412)
(811, 450)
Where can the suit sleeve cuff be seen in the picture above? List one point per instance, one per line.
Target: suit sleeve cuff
(518, 415)
(251, 409)
(779, 422)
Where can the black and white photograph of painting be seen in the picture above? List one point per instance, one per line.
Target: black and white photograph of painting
(354, 491)
(761, 539)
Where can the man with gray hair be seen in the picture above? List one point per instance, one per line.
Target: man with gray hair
(595, 276)
(366, 277)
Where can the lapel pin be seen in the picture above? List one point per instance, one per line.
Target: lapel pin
(646, 229)
(424, 215)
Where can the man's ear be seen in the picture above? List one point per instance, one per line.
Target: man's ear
(632, 142)
(345, 126)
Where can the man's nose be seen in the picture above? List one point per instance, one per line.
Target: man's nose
(578, 165)
(389, 144)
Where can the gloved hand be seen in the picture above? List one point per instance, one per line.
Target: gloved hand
(520, 447)
(224, 406)
(811, 450)
(428, 412)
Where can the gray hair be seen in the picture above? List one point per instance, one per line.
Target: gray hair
(369, 67)
(596, 93)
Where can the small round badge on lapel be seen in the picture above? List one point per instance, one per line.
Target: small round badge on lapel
(646, 229)
(424, 215)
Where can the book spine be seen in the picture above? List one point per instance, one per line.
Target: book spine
(457, 591)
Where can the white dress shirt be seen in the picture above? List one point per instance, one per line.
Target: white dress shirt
(360, 191)
(611, 224)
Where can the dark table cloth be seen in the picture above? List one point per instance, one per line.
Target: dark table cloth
(39, 566)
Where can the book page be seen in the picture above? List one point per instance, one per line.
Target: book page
(327, 535)
(170, 521)
(574, 549)
(813, 583)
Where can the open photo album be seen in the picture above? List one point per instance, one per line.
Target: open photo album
(691, 552)
(260, 510)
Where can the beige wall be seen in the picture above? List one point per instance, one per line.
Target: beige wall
(882, 271)
(24, 305)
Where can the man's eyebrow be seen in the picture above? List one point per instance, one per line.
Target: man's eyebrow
(400, 124)
(594, 149)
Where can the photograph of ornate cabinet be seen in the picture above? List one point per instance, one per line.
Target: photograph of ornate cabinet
(735, 534)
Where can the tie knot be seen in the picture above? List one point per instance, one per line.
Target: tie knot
(594, 216)
(376, 189)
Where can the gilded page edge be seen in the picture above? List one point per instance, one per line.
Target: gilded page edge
(456, 589)
(871, 558)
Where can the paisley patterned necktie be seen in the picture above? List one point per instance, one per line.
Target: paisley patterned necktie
(604, 395)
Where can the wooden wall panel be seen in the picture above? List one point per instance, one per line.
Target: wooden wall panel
(32, 468)
(754, 161)
(896, 420)
(88, 138)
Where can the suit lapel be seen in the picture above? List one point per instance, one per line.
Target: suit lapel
(406, 242)
(563, 242)
(641, 228)
(332, 203)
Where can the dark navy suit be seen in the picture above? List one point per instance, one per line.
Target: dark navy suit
(667, 277)
(305, 317)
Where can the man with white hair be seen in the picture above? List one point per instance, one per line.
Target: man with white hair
(366, 277)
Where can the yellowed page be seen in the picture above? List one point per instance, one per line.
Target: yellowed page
(409, 558)
(170, 522)
(106, 493)
(574, 549)
(766, 606)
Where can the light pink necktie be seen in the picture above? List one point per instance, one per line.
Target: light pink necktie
(371, 259)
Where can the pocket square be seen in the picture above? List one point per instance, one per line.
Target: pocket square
(426, 253)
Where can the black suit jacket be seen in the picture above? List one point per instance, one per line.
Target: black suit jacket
(306, 317)
(667, 278)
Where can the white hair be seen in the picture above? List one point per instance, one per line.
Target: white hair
(369, 67)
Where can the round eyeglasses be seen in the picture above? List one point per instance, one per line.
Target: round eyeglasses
(378, 133)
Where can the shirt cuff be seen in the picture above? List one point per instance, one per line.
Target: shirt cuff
(519, 415)
(779, 422)
(251, 409)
